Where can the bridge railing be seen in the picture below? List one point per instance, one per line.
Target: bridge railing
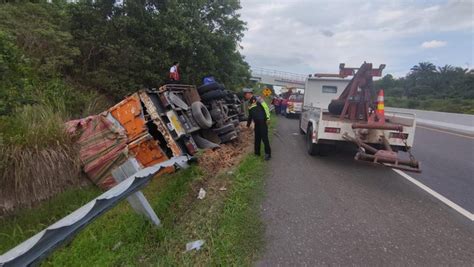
(283, 75)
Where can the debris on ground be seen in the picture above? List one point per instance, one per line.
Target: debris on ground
(116, 246)
(202, 193)
(229, 154)
(194, 245)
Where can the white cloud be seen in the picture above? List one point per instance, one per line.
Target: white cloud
(433, 44)
(309, 36)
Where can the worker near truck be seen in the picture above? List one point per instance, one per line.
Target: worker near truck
(174, 72)
(283, 105)
(276, 103)
(259, 113)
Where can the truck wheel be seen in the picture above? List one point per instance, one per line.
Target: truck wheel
(201, 115)
(313, 149)
(209, 87)
(336, 107)
(228, 136)
(216, 94)
(225, 129)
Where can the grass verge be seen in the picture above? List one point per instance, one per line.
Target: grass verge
(227, 219)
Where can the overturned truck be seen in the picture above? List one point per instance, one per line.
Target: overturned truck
(154, 125)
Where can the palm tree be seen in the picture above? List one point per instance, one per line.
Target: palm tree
(446, 69)
(424, 67)
(422, 77)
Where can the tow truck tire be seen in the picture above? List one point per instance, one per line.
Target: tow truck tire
(336, 107)
(313, 149)
(201, 115)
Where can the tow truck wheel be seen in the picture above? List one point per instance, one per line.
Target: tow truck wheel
(313, 149)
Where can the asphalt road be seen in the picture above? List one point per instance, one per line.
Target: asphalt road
(448, 164)
(332, 210)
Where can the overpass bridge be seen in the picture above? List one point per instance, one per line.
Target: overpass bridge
(278, 78)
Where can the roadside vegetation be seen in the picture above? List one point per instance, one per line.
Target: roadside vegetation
(227, 219)
(428, 87)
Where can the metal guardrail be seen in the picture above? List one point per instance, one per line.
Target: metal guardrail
(36, 248)
(283, 75)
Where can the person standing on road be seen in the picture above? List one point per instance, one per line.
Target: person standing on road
(174, 72)
(283, 106)
(259, 113)
(276, 102)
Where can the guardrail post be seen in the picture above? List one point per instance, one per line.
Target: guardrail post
(137, 200)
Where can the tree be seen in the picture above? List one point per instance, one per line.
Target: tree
(129, 46)
(423, 68)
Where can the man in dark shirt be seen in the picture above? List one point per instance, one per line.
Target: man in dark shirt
(260, 117)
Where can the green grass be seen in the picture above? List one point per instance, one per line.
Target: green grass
(27, 222)
(228, 221)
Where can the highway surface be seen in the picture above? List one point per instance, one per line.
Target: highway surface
(333, 210)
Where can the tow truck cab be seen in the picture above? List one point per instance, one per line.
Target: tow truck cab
(318, 93)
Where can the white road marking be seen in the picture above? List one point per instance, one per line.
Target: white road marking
(446, 132)
(441, 198)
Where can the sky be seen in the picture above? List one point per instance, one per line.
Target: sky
(304, 36)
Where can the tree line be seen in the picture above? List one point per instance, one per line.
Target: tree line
(114, 47)
(442, 88)
(70, 59)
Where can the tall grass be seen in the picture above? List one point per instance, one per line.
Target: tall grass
(37, 158)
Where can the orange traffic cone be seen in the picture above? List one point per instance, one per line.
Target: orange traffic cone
(380, 107)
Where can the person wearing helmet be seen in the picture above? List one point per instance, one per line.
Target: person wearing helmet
(259, 113)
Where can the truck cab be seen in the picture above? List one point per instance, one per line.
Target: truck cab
(318, 93)
(294, 105)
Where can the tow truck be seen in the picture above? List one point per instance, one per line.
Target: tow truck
(341, 110)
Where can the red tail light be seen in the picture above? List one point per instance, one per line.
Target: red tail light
(332, 130)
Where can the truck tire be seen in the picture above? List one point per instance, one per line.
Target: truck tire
(236, 123)
(228, 136)
(201, 115)
(224, 129)
(311, 148)
(336, 107)
(209, 87)
(216, 94)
